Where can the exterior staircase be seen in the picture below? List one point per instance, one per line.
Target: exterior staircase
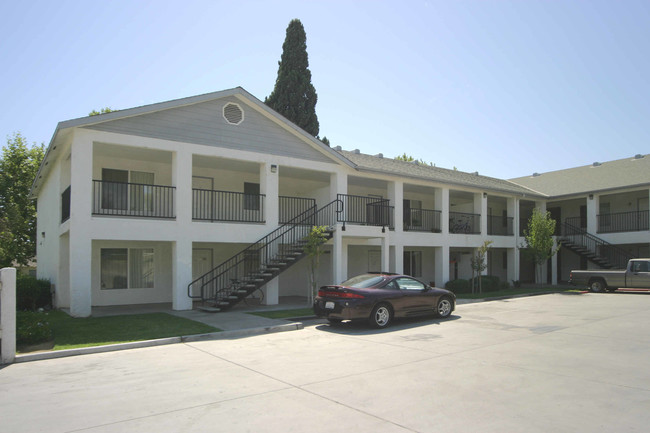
(593, 248)
(238, 277)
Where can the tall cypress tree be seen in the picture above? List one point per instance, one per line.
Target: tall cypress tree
(294, 96)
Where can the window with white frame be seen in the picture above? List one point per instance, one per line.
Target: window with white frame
(127, 268)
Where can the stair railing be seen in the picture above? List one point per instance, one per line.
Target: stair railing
(617, 256)
(250, 264)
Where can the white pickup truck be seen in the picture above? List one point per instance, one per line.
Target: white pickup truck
(637, 275)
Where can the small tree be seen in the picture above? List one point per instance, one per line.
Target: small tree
(314, 249)
(540, 245)
(479, 264)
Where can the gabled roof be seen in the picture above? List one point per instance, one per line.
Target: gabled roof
(597, 177)
(99, 121)
(418, 170)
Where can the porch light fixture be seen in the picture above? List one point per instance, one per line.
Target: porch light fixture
(274, 168)
(485, 195)
(383, 229)
(591, 196)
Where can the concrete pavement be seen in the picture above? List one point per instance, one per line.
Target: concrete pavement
(556, 363)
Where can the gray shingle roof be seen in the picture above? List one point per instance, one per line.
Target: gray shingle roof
(622, 173)
(426, 172)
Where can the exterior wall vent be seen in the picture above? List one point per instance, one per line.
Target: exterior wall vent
(338, 148)
(380, 155)
(475, 173)
(356, 151)
(536, 174)
(638, 156)
(597, 164)
(233, 113)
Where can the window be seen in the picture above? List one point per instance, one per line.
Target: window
(413, 263)
(123, 268)
(409, 284)
(251, 196)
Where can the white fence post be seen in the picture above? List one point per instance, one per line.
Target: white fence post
(7, 315)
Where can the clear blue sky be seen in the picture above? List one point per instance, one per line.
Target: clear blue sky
(505, 88)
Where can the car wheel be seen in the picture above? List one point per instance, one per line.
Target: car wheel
(381, 316)
(444, 307)
(597, 286)
(612, 289)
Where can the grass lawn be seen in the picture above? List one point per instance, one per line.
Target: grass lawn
(513, 292)
(72, 332)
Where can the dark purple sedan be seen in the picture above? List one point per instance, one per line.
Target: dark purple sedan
(379, 297)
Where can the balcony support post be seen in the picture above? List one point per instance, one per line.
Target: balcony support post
(269, 186)
(396, 196)
(442, 263)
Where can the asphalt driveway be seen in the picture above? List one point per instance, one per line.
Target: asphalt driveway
(561, 363)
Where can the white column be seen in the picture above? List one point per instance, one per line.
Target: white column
(272, 292)
(182, 180)
(399, 258)
(480, 207)
(8, 314)
(182, 247)
(442, 264)
(339, 258)
(592, 211)
(513, 264)
(513, 212)
(385, 254)
(182, 274)
(442, 204)
(338, 185)
(80, 264)
(396, 197)
(269, 185)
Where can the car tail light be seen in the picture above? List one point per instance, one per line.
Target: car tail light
(332, 294)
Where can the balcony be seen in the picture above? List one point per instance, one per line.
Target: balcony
(464, 223)
(421, 220)
(623, 222)
(133, 199)
(211, 205)
(500, 225)
(369, 211)
(291, 207)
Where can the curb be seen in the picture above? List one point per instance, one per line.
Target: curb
(223, 335)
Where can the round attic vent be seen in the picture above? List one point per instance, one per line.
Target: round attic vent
(233, 113)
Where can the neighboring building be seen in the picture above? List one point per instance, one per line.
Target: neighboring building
(134, 205)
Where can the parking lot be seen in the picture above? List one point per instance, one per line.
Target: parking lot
(561, 363)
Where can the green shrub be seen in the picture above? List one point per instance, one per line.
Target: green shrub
(458, 286)
(504, 285)
(490, 283)
(32, 293)
(32, 328)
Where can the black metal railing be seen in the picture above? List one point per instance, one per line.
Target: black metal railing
(623, 222)
(65, 205)
(579, 222)
(133, 199)
(291, 207)
(370, 211)
(246, 266)
(211, 205)
(464, 223)
(422, 220)
(500, 225)
(615, 256)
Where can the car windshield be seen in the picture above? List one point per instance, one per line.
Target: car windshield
(363, 281)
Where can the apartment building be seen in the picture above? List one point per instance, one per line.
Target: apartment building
(210, 198)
